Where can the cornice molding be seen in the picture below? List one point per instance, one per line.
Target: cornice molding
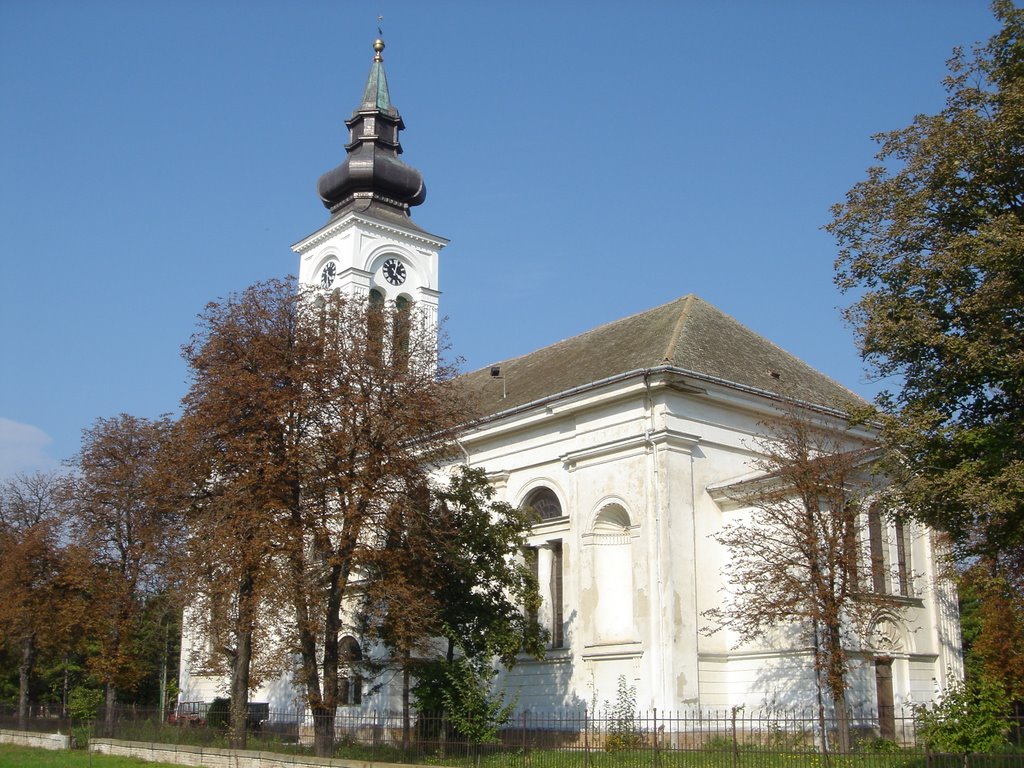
(667, 437)
(333, 229)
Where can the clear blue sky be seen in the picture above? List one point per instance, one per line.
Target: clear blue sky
(588, 160)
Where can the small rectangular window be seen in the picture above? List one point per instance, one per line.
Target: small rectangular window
(903, 558)
(877, 549)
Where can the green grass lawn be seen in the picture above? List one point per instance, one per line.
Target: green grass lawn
(32, 757)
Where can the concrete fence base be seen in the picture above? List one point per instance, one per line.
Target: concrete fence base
(33, 739)
(208, 757)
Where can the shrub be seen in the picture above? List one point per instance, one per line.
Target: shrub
(84, 703)
(968, 718)
(218, 716)
(623, 732)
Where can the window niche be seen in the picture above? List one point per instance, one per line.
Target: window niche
(611, 552)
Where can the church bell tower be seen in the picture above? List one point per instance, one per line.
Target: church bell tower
(370, 246)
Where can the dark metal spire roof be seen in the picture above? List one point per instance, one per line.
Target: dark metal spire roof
(372, 177)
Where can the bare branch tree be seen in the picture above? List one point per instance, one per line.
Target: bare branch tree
(796, 561)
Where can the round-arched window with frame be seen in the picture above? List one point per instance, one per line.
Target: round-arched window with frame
(545, 503)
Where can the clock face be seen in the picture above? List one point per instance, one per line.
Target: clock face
(328, 274)
(394, 271)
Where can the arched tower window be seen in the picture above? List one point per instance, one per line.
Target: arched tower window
(375, 325)
(400, 331)
(350, 686)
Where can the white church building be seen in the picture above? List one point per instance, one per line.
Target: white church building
(633, 441)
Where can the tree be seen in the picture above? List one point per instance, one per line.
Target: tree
(796, 560)
(343, 422)
(31, 520)
(234, 441)
(931, 245)
(127, 526)
(451, 588)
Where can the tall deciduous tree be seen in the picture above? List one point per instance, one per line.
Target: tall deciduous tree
(237, 437)
(345, 411)
(932, 247)
(128, 525)
(32, 511)
(796, 561)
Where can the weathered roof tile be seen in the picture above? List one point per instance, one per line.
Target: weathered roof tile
(689, 334)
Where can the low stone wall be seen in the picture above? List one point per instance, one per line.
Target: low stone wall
(181, 754)
(33, 739)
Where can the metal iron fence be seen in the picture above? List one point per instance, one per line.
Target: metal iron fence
(735, 738)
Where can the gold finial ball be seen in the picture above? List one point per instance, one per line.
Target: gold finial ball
(378, 45)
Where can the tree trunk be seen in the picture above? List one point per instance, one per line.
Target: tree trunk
(241, 663)
(28, 655)
(108, 711)
(66, 688)
(323, 730)
(163, 677)
(323, 725)
(406, 729)
(843, 724)
(822, 727)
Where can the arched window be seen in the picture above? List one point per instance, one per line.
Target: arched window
(545, 503)
(350, 686)
(545, 562)
(400, 331)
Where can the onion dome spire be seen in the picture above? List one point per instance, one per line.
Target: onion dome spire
(372, 175)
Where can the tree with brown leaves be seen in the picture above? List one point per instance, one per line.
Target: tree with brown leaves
(796, 560)
(32, 513)
(324, 415)
(128, 526)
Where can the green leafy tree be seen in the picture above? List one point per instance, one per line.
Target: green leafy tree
(931, 246)
(455, 575)
(474, 710)
(968, 718)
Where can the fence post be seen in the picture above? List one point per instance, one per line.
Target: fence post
(735, 742)
(657, 755)
(376, 731)
(586, 739)
(523, 735)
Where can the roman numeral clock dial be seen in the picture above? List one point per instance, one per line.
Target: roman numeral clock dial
(394, 271)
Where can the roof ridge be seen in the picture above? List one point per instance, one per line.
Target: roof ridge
(677, 331)
(595, 329)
